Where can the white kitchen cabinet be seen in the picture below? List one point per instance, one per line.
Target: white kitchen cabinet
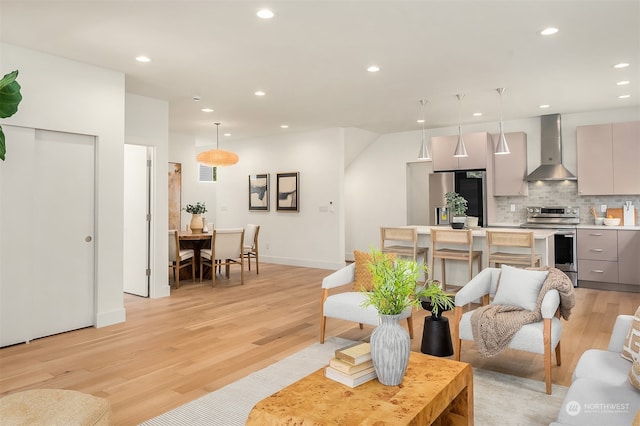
(510, 170)
(443, 147)
(607, 158)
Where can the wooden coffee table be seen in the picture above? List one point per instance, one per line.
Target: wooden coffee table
(434, 391)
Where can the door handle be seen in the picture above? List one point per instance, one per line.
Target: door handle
(87, 238)
(597, 250)
(598, 271)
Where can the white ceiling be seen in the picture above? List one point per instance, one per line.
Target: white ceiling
(311, 59)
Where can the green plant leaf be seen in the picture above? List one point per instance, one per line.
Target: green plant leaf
(10, 95)
(3, 148)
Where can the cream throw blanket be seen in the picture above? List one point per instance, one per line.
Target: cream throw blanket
(494, 326)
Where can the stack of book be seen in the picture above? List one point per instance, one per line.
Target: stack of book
(352, 365)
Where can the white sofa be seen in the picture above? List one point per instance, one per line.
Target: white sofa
(600, 392)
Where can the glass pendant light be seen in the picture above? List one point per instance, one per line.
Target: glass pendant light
(461, 150)
(502, 147)
(424, 153)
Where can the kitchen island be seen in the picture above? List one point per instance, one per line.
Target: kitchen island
(457, 272)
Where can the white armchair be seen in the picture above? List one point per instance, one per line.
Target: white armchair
(347, 304)
(540, 337)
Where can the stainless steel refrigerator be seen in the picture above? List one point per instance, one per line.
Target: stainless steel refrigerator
(471, 184)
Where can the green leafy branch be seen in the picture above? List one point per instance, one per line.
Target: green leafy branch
(10, 98)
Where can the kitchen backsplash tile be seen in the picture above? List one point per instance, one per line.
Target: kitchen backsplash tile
(563, 193)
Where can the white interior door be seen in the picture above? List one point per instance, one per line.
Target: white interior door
(136, 223)
(48, 197)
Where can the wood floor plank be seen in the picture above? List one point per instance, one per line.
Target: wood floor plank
(176, 349)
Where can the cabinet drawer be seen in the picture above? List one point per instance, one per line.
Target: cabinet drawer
(598, 244)
(596, 270)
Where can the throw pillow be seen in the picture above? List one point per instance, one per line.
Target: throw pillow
(363, 278)
(631, 346)
(519, 287)
(634, 374)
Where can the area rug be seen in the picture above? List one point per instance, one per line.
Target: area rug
(498, 398)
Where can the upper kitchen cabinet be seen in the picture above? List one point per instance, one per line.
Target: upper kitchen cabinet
(626, 158)
(608, 156)
(510, 170)
(443, 147)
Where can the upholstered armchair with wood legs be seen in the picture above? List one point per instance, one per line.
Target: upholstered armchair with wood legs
(340, 300)
(541, 337)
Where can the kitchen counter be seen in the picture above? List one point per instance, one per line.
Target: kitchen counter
(618, 228)
(538, 234)
(458, 273)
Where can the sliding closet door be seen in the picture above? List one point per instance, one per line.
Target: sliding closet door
(52, 185)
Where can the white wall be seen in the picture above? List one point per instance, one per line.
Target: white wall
(311, 237)
(183, 149)
(147, 124)
(68, 96)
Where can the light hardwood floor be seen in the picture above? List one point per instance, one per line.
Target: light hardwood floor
(176, 349)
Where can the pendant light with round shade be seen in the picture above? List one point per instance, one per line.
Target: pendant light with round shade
(424, 153)
(502, 147)
(217, 157)
(461, 150)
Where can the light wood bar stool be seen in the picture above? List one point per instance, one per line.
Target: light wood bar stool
(463, 237)
(496, 240)
(409, 235)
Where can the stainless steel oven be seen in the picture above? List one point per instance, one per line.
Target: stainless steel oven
(564, 221)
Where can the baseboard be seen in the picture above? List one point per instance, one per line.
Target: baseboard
(597, 285)
(115, 316)
(302, 262)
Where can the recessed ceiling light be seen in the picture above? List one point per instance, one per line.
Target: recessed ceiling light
(143, 58)
(420, 121)
(624, 96)
(227, 134)
(477, 114)
(373, 68)
(259, 93)
(545, 106)
(549, 31)
(623, 83)
(207, 110)
(265, 14)
(621, 65)
(284, 126)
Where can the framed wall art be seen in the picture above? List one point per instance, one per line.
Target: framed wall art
(287, 187)
(259, 192)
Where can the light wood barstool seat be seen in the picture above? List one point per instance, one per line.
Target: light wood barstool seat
(389, 236)
(498, 240)
(463, 237)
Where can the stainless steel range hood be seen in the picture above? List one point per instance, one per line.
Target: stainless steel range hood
(551, 147)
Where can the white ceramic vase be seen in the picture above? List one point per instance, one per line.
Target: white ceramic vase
(390, 346)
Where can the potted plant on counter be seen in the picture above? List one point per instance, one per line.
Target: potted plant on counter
(196, 211)
(457, 206)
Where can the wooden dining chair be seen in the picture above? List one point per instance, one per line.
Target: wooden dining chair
(453, 237)
(250, 248)
(180, 258)
(226, 250)
(498, 241)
